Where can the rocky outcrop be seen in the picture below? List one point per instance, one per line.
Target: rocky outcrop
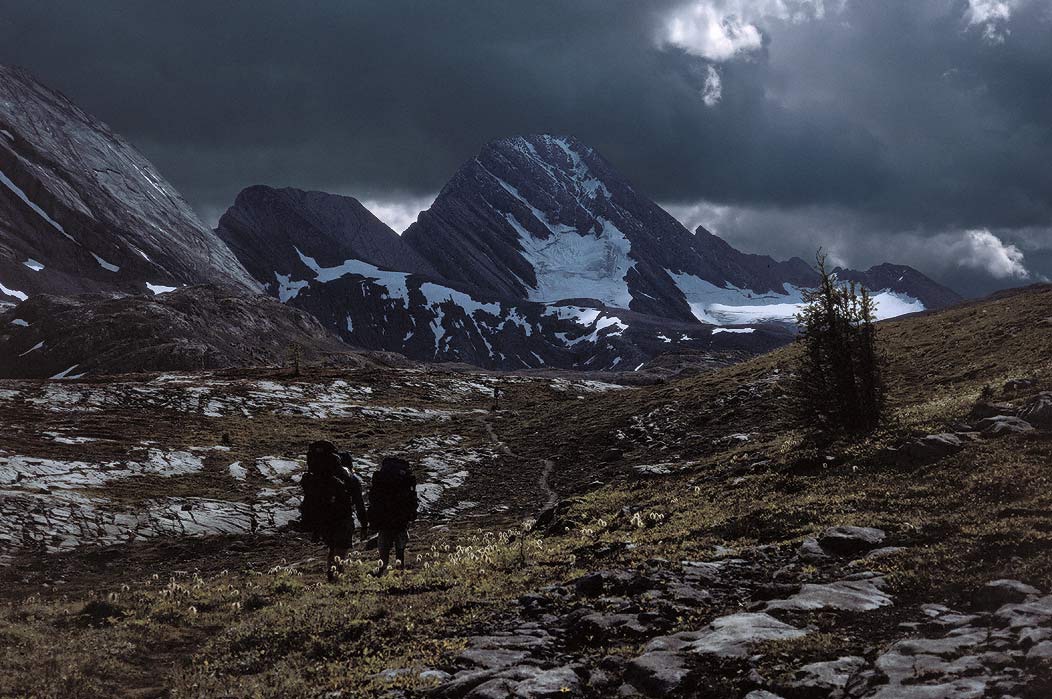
(200, 327)
(1038, 411)
(936, 651)
(82, 210)
(272, 230)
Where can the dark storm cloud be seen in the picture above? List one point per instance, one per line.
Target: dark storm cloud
(901, 120)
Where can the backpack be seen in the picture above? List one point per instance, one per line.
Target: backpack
(327, 490)
(392, 496)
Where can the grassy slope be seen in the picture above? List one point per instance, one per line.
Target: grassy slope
(979, 515)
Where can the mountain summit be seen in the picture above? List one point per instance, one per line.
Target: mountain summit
(546, 218)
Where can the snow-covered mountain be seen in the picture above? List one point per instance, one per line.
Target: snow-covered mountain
(547, 218)
(82, 210)
(536, 254)
(327, 255)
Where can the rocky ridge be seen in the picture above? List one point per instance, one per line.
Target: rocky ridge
(81, 210)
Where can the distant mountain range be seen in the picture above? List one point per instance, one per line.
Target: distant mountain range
(537, 253)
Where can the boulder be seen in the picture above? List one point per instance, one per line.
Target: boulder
(1017, 384)
(997, 593)
(983, 410)
(728, 636)
(492, 658)
(658, 673)
(549, 684)
(1038, 411)
(933, 447)
(851, 541)
(848, 595)
(826, 679)
(1001, 425)
(811, 551)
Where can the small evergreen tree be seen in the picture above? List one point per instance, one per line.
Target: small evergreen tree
(838, 386)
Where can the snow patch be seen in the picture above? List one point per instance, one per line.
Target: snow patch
(21, 296)
(159, 288)
(33, 265)
(106, 265)
(22, 195)
(890, 304)
(730, 305)
(734, 330)
(568, 264)
(66, 374)
(288, 289)
(34, 348)
(393, 282)
(20, 322)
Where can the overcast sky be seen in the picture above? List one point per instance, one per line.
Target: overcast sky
(910, 131)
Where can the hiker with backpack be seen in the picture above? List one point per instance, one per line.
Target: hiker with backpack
(392, 506)
(332, 495)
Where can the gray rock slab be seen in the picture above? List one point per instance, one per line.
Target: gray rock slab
(849, 595)
(848, 540)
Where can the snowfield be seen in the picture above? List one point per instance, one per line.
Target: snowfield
(733, 306)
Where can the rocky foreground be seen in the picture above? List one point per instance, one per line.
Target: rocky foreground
(787, 596)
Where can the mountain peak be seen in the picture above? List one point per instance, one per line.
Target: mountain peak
(272, 230)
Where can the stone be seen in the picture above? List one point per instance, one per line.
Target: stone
(829, 677)
(850, 541)
(811, 551)
(933, 447)
(1017, 385)
(728, 636)
(1034, 613)
(884, 552)
(984, 410)
(1038, 411)
(492, 658)
(549, 684)
(762, 694)
(997, 593)
(849, 595)
(658, 672)
(689, 595)
(595, 584)
(496, 688)
(1042, 651)
(517, 641)
(1001, 425)
(703, 571)
(435, 676)
(601, 625)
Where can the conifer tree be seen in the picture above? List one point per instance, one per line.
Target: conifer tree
(838, 386)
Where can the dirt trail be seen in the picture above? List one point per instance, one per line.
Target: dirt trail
(552, 497)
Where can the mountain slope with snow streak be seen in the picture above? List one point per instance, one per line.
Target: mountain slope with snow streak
(82, 210)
